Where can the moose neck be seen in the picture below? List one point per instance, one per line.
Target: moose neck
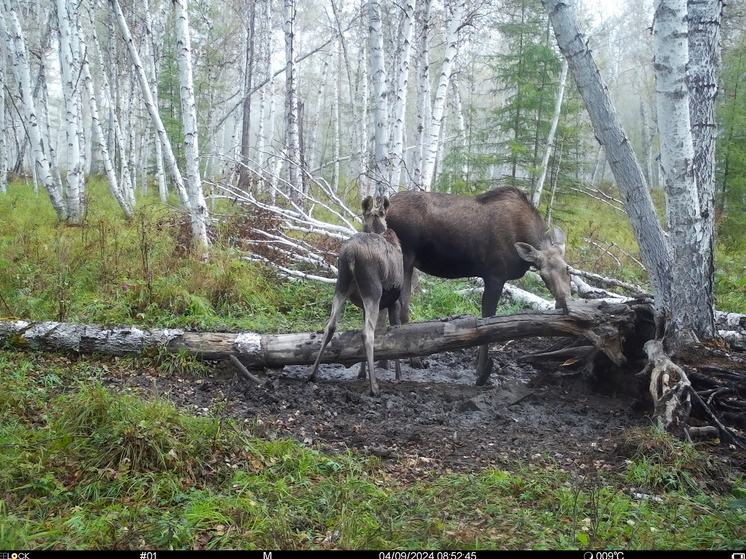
(376, 225)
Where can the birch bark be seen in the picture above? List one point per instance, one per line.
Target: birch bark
(691, 249)
(98, 132)
(292, 142)
(153, 70)
(69, 56)
(622, 161)
(3, 146)
(424, 106)
(380, 102)
(198, 212)
(16, 43)
(536, 198)
(704, 61)
(150, 104)
(432, 141)
(400, 100)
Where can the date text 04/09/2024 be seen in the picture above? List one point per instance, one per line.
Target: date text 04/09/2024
(427, 555)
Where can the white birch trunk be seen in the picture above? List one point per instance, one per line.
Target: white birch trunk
(98, 133)
(432, 142)
(16, 44)
(152, 108)
(3, 144)
(400, 100)
(458, 108)
(610, 133)
(424, 104)
(380, 102)
(197, 207)
(69, 56)
(536, 198)
(704, 62)
(292, 144)
(689, 248)
(160, 173)
(362, 118)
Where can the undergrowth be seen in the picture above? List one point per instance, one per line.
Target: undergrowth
(85, 467)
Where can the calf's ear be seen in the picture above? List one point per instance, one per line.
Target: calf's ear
(367, 203)
(386, 203)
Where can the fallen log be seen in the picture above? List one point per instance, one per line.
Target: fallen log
(604, 325)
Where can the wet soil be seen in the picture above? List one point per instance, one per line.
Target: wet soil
(435, 416)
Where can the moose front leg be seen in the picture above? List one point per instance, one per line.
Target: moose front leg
(493, 288)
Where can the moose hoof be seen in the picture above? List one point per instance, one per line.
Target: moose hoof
(483, 372)
(417, 363)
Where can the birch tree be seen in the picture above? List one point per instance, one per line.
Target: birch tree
(380, 102)
(617, 147)
(292, 137)
(690, 226)
(400, 97)
(98, 131)
(432, 140)
(197, 208)
(197, 214)
(704, 19)
(17, 47)
(676, 265)
(70, 68)
(424, 107)
(3, 138)
(536, 197)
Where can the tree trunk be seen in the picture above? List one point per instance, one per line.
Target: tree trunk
(160, 173)
(400, 100)
(16, 43)
(197, 207)
(691, 249)
(422, 64)
(432, 141)
(704, 61)
(98, 133)
(550, 138)
(153, 110)
(381, 165)
(604, 325)
(3, 134)
(608, 129)
(292, 142)
(243, 171)
(70, 68)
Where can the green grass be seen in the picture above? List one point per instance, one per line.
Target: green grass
(86, 468)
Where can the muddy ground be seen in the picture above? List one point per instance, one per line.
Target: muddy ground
(436, 417)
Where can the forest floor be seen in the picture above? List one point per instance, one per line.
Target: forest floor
(436, 419)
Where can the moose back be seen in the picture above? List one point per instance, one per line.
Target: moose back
(496, 236)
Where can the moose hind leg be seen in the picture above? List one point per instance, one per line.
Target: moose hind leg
(368, 335)
(337, 305)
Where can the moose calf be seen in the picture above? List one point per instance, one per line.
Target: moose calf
(370, 274)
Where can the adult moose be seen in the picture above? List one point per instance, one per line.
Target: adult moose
(496, 236)
(370, 274)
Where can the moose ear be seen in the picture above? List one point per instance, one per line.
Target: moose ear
(527, 252)
(559, 237)
(367, 203)
(386, 203)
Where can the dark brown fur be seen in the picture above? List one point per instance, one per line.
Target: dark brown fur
(370, 274)
(497, 236)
